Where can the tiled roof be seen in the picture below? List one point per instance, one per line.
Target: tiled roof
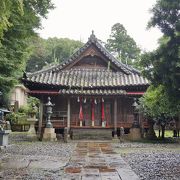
(87, 78)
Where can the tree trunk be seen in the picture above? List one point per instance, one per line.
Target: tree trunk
(163, 132)
(159, 133)
(177, 123)
(151, 133)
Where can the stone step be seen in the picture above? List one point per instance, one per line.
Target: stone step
(92, 134)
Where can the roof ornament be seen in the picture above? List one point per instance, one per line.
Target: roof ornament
(92, 37)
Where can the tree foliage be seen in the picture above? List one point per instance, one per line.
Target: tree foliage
(19, 19)
(123, 45)
(50, 51)
(158, 107)
(161, 102)
(166, 16)
(156, 103)
(162, 65)
(6, 12)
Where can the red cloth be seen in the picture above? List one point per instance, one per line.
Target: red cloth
(92, 117)
(102, 111)
(81, 111)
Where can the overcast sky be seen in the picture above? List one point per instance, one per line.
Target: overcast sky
(75, 19)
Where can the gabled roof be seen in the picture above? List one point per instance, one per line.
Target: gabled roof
(60, 75)
(88, 78)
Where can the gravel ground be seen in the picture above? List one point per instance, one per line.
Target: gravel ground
(149, 161)
(152, 161)
(23, 150)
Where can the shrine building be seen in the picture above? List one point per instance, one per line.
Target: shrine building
(92, 92)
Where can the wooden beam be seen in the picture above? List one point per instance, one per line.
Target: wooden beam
(68, 113)
(50, 92)
(40, 117)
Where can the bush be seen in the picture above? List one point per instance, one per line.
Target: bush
(20, 117)
(17, 118)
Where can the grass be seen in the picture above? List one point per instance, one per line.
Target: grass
(168, 133)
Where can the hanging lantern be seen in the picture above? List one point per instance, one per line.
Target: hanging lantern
(84, 100)
(95, 101)
(78, 100)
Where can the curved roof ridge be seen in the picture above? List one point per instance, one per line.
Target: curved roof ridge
(41, 71)
(115, 60)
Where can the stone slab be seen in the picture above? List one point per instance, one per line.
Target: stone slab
(126, 173)
(47, 164)
(89, 171)
(15, 163)
(110, 178)
(91, 177)
(71, 177)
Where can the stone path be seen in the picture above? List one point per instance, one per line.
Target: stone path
(72, 161)
(97, 161)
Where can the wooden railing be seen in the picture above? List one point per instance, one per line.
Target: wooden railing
(59, 120)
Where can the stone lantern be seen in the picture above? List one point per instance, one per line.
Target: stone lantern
(3, 131)
(136, 115)
(135, 133)
(32, 120)
(49, 131)
(49, 106)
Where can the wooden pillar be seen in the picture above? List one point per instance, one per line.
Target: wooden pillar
(68, 113)
(115, 117)
(40, 118)
(92, 112)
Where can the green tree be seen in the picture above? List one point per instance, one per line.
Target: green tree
(20, 19)
(158, 108)
(162, 65)
(123, 45)
(5, 13)
(50, 51)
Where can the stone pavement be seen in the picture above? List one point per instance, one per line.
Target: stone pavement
(97, 161)
(88, 161)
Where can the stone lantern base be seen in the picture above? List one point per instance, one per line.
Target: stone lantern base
(32, 132)
(49, 134)
(4, 137)
(135, 133)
